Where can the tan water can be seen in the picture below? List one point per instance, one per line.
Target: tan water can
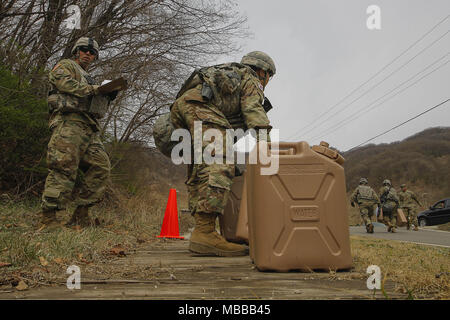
(401, 218)
(242, 222)
(234, 221)
(229, 220)
(297, 217)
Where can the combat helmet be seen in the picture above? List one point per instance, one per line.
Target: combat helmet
(363, 181)
(387, 182)
(260, 60)
(402, 185)
(85, 42)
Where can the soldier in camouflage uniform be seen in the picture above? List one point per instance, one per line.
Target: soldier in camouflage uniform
(75, 146)
(407, 198)
(366, 198)
(389, 204)
(213, 95)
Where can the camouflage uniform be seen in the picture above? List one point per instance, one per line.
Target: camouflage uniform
(209, 185)
(75, 146)
(366, 198)
(389, 203)
(407, 200)
(217, 96)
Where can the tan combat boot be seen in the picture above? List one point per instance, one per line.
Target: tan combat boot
(49, 219)
(80, 217)
(370, 228)
(205, 239)
(416, 228)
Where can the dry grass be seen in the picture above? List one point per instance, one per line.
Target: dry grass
(444, 227)
(131, 221)
(417, 270)
(127, 223)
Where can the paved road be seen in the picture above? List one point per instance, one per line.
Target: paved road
(423, 236)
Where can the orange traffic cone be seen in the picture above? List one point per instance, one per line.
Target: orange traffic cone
(170, 223)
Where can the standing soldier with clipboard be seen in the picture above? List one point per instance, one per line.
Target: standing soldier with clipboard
(75, 149)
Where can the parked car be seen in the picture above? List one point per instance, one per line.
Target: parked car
(438, 213)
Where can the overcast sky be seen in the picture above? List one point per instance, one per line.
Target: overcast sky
(323, 51)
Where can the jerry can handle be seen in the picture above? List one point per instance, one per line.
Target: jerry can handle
(290, 148)
(324, 150)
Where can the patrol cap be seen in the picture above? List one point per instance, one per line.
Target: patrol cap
(402, 185)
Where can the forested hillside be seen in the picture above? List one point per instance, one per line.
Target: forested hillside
(422, 161)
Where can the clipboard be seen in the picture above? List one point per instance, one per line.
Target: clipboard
(117, 84)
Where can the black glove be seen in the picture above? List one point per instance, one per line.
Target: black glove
(267, 105)
(112, 95)
(353, 204)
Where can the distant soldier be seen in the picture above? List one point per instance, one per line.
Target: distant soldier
(389, 204)
(407, 199)
(75, 144)
(366, 198)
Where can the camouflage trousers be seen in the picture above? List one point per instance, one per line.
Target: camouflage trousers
(411, 216)
(209, 185)
(366, 212)
(75, 153)
(390, 217)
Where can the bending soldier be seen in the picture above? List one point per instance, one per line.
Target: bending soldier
(407, 199)
(389, 204)
(366, 198)
(75, 143)
(215, 95)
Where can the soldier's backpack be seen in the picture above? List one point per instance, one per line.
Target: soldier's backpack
(387, 201)
(218, 81)
(219, 87)
(162, 132)
(365, 193)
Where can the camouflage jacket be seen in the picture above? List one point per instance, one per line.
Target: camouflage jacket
(407, 199)
(235, 94)
(71, 91)
(364, 193)
(388, 195)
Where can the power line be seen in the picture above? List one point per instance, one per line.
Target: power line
(359, 113)
(372, 77)
(428, 110)
(383, 80)
(390, 63)
(338, 126)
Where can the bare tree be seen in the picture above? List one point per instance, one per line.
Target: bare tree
(155, 44)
